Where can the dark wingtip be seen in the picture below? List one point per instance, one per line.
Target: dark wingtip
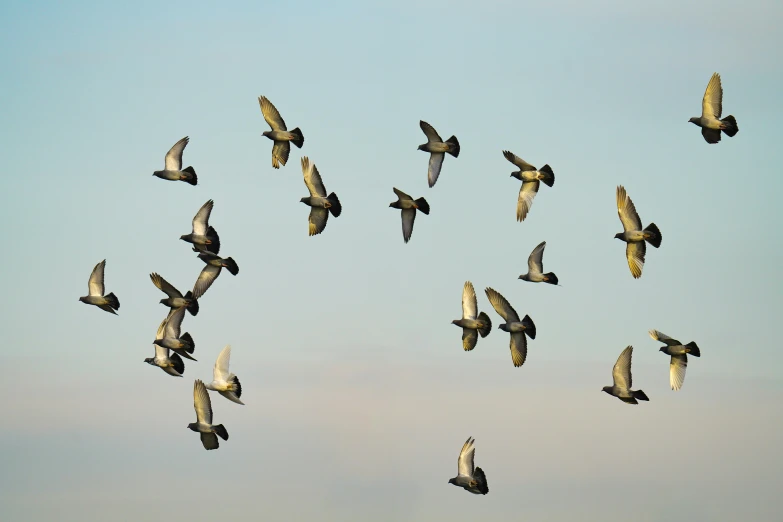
(481, 480)
(113, 301)
(731, 129)
(656, 238)
(188, 339)
(238, 391)
(639, 394)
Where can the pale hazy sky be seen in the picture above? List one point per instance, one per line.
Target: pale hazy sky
(359, 395)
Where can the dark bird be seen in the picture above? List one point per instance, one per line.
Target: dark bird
(437, 149)
(518, 329)
(209, 273)
(203, 424)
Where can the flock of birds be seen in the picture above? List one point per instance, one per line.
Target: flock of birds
(171, 346)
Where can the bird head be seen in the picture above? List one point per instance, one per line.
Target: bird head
(163, 301)
(421, 147)
(266, 133)
(83, 299)
(662, 349)
(607, 389)
(695, 121)
(159, 342)
(304, 200)
(619, 235)
(523, 277)
(193, 426)
(453, 481)
(455, 321)
(396, 204)
(185, 237)
(150, 360)
(517, 175)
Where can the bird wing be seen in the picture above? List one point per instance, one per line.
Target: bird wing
(164, 285)
(519, 162)
(271, 115)
(312, 178)
(280, 152)
(402, 195)
(627, 211)
(433, 171)
(430, 132)
(518, 345)
(502, 306)
(220, 371)
(535, 263)
(469, 339)
(201, 219)
(95, 286)
(174, 155)
(202, 403)
(710, 135)
(469, 302)
(635, 252)
(465, 460)
(677, 369)
(317, 220)
(210, 441)
(162, 327)
(712, 103)
(665, 339)
(621, 373)
(161, 353)
(174, 323)
(205, 279)
(408, 217)
(527, 192)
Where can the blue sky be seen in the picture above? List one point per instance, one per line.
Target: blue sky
(358, 393)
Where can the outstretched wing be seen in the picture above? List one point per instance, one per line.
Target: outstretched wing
(271, 115)
(164, 285)
(220, 371)
(627, 211)
(677, 367)
(280, 152)
(519, 162)
(408, 217)
(174, 323)
(201, 219)
(665, 339)
(621, 373)
(205, 279)
(174, 155)
(635, 253)
(95, 285)
(712, 103)
(535, 263)
(430, 132)
(402, 195)
(518, 345)
(202, 403)
(312, 178)
(469, 302)
(465, 460)
(316, 220)
(527, 192)
(502, 306)
(433, 170)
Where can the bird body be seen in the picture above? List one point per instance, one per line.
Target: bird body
(621, 375)
(96, 289)
(472, 322)
(437, 149)
(279, 134)
(679, 357)
(633, 234)
(518, 329)
(409, 206)
(711, 109)
(225, 383)
(535, 267)
(173, 170)
(468, 477)
(203, 425)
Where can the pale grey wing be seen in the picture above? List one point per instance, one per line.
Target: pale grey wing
(518, 345)
(635, 253)
(469, 339)
(527, 192)
(402, 195)
(677, 369)
(627, 211)
(312, 178)
(469, 302)
(535, 263)
(164, 285)
(205, 279)
(465, 460)
(161, 352)
(174, 322)
(502, 306)
(665, 339)
(271, 115)
(430, 132)
(519, 162)
(162, 328)
(209, 440)
(201, 219)
(712, 103)
(433, 171)
(408, 217)
(202, 403)
(220, 371)
(280, 152)
(174, 155)
(316, 221)
(621, 373)
(95, 285)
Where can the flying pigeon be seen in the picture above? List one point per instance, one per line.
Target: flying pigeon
(513, 325)
(320, 204)
(203, 424)
(282, 148)
(95, 290)
(468, 478)
(173, 170)
(204, 237)
(621, 374)
(535, 267)
(171, 364)
(409, 206)
(472, 322)
(711, 109)
(530, 178)
(211, 272)
(437, 149)
(171, 339)
(633, 234)
(679, 361)
(223, 382)
(175, 298)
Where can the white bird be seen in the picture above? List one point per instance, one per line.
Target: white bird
(468, 478)
(535, 267)
(171, 364)
(679, 356)
(711, 109)
(203, 424)
(223, 382)
(95, 289)
(621, 375)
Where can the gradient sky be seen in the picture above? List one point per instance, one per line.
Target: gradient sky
(359, 395)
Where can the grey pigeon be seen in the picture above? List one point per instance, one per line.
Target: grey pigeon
(203, 424)
(171, 338)
(469, 478)
(472, 323)
(437, 149)
(518, 329)
(535, 267)
(211, 272)
(204, 237)
(225, 383)
(633, 234)
(175, 299)
(679, 360)
(171, 364)
(409, 206)
(530, 178)
(320, 204)
(173, 170)
(282, 137)
(621, 374)
(711, 109)
(95, 290)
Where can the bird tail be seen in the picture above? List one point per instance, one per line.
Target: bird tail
(730, 126)
(213, 247)
(454, 149)
(530, 327)
(481, 481)
(694, 349)
(639, 394)
(193, 179)
(654, 236)
(336, 207)
(179, 365)
(423, 205)
(299, 141)
(236, 387)
(221, 431)
(551, 278)
(113, 301)
(484, 318)
(549, 175)
(193, 306)
(231, 265)
(191, 344)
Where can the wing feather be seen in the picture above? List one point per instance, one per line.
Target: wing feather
(502, 306)
(627, 211)
(220, 371)
(280, 152)
(635, 253)
(465, 460)
(202, 403)
(535, 263)
(317, 220)
(712, 103)
(469, 302)
(527, 192)
(312, 178)
(201, 219)
(95, 285)
(408, 217)
(430, 132)
(271, 115)
(164, 285)
(665, 339)
(174, 323)
(518, 345)
(621, 373)
(402, 195)
(205, 279)
(677, 367)
(433, 170)
(174, 155)
(519, 162)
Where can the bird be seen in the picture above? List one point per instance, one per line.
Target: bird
(409, 206)
(203, 424)
(518, 329)
(171, 364)
(171, 338)
(468, 478)
(175, 298)
(282, 148)
(679, 353)
(530, 178)
(621, 375)
(711, 109)
(204, 237)
(95, 289)
(633, 234)
(320, 204)
(472, 322)
(535, 267)
(225, 383)
(437, 149)
(211, 272)
(173, 170)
